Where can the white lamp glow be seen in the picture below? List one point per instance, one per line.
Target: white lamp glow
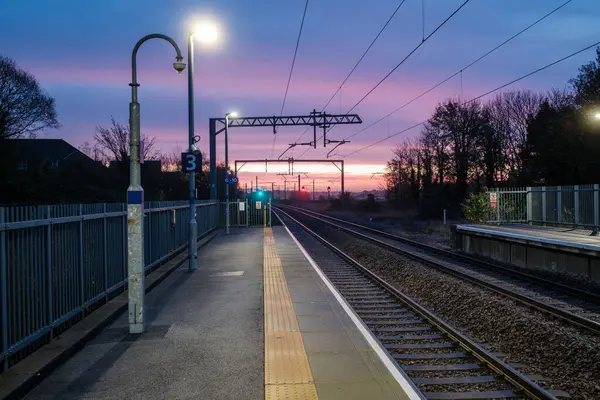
(206, 32)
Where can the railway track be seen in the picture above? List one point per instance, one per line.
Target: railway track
(441, 362)
(573, 306)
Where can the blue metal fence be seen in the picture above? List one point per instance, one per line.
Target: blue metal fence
(58, 263)
(572, 206)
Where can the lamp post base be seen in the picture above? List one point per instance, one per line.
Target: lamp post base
(135, 258)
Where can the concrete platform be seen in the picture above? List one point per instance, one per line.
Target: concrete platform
(254, 321)
(530, 246)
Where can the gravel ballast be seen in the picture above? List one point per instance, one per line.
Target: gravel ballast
(567, 357)
(442, 240)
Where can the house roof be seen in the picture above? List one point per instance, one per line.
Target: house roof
(39, 151)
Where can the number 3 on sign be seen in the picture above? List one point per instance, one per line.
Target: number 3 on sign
(191, 162)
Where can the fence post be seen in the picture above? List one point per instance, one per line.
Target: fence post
(3, 291)
(498, 202)
(247, 214)
(596, 205)
(543, 205)
(147, 216)
(50, 275)
(81, 265)
(558, 204)
(125, 255)
(105, 249)
(576, 204)
(529, 197)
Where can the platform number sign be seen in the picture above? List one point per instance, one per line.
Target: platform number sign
(191, 162)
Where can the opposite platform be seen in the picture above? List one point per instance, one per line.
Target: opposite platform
(531, 246)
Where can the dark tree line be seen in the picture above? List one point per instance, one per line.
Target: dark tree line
(516, 138)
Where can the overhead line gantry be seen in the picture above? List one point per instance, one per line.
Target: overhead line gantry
(321, 120)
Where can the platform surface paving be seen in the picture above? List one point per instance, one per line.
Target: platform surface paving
(204, 337)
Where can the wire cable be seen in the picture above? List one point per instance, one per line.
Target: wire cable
(459, 72)
(479, 97)
(401, 62)
(294, 59)
(287, 88)
(408, 56)
(358, 62)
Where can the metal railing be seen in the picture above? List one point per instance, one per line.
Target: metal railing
(244, 213)
(58, 263)
(572, 206)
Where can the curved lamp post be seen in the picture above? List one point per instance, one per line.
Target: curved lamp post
(135, 196)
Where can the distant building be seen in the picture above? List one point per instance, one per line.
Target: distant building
(50, 171)
(31, 155)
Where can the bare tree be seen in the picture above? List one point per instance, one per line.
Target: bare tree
(25, 109)
(461, 125)
(93, 151)
(113, 142)
(405, 169)
(561, 99)
(435, 142)
(586, 84)
(172, 161)
(510, 114)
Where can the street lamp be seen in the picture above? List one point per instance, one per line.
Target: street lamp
(227, 172)
(596, 116)
(135, 196)
(205, 32)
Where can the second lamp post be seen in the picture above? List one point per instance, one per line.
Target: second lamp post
(205, 31)
(227, 172)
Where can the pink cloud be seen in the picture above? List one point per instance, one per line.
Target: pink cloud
(255, 79)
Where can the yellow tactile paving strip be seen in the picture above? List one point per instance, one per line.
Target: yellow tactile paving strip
(287, 372)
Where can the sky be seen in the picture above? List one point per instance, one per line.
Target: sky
(80, 52)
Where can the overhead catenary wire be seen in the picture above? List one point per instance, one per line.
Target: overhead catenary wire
(403, 61)
(287, 88)
(461, 71)
(358, 62)
(478, 97)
